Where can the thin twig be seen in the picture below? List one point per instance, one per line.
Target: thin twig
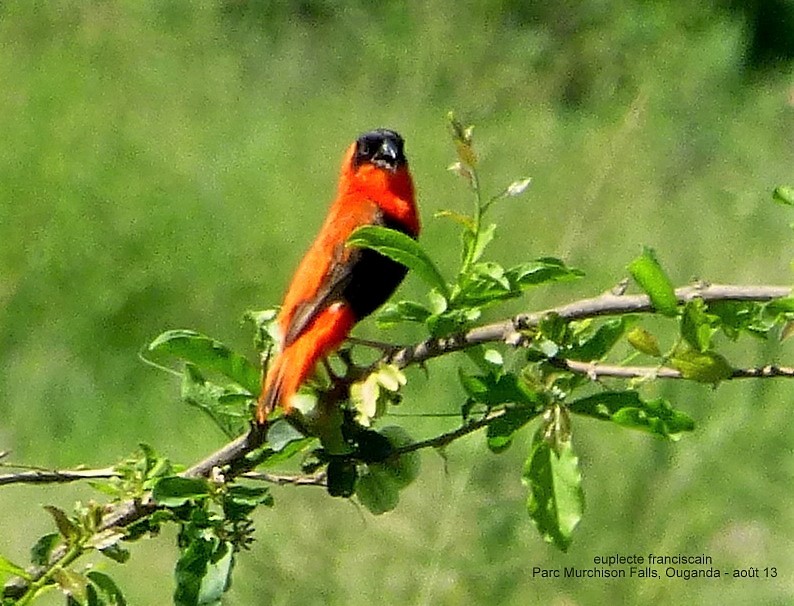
(56, 476)
(317, 479)
(513, 331)
(596, 370)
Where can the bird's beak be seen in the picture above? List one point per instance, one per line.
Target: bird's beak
(386, 156)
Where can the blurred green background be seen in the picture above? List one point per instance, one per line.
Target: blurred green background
(164, 164)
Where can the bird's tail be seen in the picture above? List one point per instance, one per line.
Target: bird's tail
(295, 363)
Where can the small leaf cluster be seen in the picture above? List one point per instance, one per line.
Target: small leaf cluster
(53, 558)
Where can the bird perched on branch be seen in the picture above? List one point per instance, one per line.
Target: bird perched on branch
(335, 285)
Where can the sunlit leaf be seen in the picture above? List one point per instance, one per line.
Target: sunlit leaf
(702, 366)
(401, 248)
(8, 568)
(643, 341)
(71, 582)
(556, 500)
(628, 409)
(697, 325)
(650, 276)
(402, 311)
(209, 355)
(66, 526)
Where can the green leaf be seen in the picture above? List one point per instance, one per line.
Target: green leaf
(341, 477)
(784, 305)
(598, 344)
(227, 409)
(541, 271)
(203, 572)
(209, 355)
(643, 341)
(108, 587)
(650, 276)
(628, 409)
(402, 311)
(218, 576)
(377, 490)
(501, 430)
(701, 366)
(402, 470)
(239, 501)
(784, 195)
(474, 245)
(401, 248)
(72, 583)
(556, 500)
(8, 568)
(42, 550)
(493, 390)
(173, 491)
(697, 326)
(66, 527)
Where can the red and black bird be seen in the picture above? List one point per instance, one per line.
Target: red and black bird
(335, 285)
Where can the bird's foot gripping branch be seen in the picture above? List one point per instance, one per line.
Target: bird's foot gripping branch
(597, 357)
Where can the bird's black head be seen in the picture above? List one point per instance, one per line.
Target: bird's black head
(382, 147)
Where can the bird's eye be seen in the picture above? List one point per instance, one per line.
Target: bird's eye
(363, 148)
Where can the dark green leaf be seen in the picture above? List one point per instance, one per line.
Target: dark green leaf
(491, 390)
(784, 195)
(701, 366)
(501, 430)
(341, 477)
(239, 500)
(209, 355)
(599, 343)
(401, 248)
(404, 469)
(108, 587)
(650, 276)
(116, 552)
(191, 568)
(42, 550)
(377, 491)
(628, 409)
(556, 500)
(173, 491)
